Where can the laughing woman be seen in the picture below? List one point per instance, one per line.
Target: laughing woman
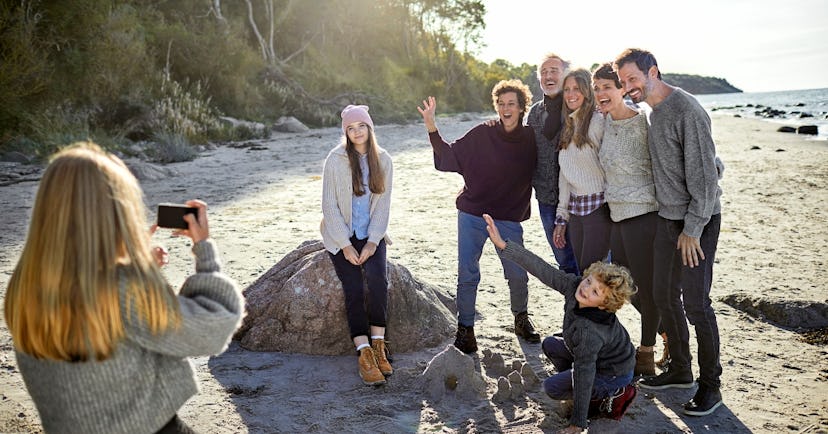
(356, 202)
(582, 208)
(630, 193)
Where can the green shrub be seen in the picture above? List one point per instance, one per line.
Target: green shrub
(171, 148)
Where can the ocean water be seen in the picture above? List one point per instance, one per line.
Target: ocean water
(794, 103)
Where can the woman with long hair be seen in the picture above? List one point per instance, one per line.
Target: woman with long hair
(630, 194)
(100, 337)
(582, 208)
(356, 203)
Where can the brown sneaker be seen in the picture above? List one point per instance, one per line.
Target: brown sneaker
(664, 361)
(368, 370)
(465, 340)
(381, 353)
(644, 363)
(525, 329)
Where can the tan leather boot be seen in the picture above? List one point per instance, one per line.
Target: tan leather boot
(665, 355)
(644, 363)
(381, 353)
(368, 370)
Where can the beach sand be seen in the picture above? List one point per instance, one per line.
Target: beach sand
(264, 203)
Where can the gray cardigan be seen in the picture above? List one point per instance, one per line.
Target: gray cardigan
(597, 348)
(545, 177)
(684, 162)
(148, 378)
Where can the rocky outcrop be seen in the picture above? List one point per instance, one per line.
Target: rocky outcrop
(298, 306)
(700, 85)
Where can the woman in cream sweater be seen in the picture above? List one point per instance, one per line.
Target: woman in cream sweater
(582, 207)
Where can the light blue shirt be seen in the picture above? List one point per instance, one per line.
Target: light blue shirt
(361, 205)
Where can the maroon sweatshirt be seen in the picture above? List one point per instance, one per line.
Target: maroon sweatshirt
(497, 168)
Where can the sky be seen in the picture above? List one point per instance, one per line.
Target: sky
(756, 45)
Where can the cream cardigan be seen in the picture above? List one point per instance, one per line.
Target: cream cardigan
(337, 193)
(581, 172)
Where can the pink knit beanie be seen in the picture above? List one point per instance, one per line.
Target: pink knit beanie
(355, 113)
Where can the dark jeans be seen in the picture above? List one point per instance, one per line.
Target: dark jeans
(674, 282)
(564, 257)
(590, 236)
(560, 386)
(176, 426)
(632, 246)
(359, 321)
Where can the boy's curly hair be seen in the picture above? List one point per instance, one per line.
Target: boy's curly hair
(619, 283)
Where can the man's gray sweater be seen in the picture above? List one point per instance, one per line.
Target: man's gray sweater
(684, 162)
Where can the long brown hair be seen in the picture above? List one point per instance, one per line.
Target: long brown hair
(376, 177)
(576, 130)
(88, 235)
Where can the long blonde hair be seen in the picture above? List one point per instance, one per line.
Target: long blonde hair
(376, 177)
(88, 232)
(577, 130)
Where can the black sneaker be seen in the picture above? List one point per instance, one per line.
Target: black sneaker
(681, 379)
(706, 401)
(525, 329)
(465, 340)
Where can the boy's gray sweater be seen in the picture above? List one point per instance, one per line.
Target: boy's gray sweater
(596, 348)
(148, 378)
(684, 162)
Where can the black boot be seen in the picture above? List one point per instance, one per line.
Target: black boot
(706, 401)
(465, 340)
(525, 329)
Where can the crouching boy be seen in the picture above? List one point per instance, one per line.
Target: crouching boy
(594, 357)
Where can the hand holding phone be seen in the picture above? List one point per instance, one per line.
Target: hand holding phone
(172, 215)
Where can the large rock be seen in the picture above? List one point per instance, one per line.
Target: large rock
(298, 306)
(289, 124)
(144, 171)
(808, 129)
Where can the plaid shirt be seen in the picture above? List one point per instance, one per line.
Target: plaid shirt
(582, 205)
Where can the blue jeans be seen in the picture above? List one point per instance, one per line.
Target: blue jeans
(471, 237)
(564, 257)
(559, 386)
(680, 291)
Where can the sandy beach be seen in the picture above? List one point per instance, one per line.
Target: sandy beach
(265, 201)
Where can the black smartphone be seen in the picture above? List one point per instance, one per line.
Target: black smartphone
(171, 215)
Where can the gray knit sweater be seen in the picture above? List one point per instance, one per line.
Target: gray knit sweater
(684, 162)
(596, 348)
(625, 157)
(148, 378)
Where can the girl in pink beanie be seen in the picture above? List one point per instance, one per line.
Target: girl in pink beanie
(356, 203)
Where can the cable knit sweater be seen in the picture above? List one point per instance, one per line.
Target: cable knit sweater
(605, 349)
(337, 193)
(148, 378)
(581, 171)
(625, 158)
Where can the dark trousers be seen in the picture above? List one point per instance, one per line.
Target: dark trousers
(359, 321)
(632, 246)
(590, 236)
(674, 282)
